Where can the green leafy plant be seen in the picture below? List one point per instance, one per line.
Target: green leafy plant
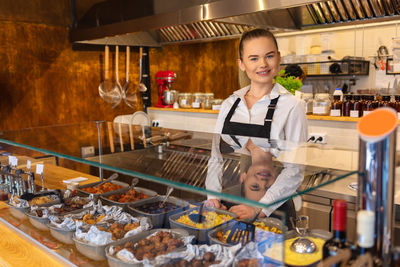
(291, 83)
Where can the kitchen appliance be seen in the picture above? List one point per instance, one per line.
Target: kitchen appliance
(164, 80)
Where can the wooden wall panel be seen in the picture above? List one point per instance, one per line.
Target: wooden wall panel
(44, 82)
(203, 67)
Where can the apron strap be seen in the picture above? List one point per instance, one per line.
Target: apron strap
(270, 114)
(232, 110)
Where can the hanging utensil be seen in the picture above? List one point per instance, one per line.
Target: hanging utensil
(142, 86)
(118, 84)
(107, 89)
(129, 91)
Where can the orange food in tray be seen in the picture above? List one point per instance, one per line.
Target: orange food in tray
(129, 196)
(107, 187)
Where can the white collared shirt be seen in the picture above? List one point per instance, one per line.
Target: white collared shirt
(288, 123)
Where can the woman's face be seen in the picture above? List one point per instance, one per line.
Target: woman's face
(260, 60)
(258, 179)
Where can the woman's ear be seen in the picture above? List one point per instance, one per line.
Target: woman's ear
(243, 177)
(241, 65)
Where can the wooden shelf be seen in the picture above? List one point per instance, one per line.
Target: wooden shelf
(193, 110)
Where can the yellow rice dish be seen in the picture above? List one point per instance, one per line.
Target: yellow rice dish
(294, 258)
(212, 219)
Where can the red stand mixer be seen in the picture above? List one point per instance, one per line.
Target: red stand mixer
(164, 80)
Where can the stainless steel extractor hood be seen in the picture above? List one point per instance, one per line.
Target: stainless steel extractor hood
(160, 22)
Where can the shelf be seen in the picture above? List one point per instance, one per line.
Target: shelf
(193, 110)
(333, 68)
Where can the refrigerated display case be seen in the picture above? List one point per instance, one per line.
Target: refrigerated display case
(199, 166)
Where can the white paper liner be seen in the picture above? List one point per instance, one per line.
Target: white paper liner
(126, 256)
(223, 254)
(22, 203)
(250, 251)
(96, 237)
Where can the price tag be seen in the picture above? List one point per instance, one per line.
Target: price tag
(28, 164)
(15, 161)
(39, 168)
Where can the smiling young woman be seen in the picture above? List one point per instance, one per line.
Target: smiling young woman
(263, 109)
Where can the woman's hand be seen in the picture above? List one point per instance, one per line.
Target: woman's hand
(243, 211)
(214, 203)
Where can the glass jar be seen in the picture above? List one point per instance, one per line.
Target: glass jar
(207, 101)
(321, 104)
(336, 106)
(356, 108)
(216, 104)
(347, 104)
(197, 100)
(185, 100)
(308, 100)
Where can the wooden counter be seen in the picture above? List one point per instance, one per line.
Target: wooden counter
(19, 243)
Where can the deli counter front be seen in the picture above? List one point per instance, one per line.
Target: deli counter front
(233, 200)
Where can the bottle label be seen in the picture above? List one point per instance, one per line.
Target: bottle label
(183, 102)
(195, 104)
(335, 112)
(354, 113)
(366, 112)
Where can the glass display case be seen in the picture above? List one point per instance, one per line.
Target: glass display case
(211, 174)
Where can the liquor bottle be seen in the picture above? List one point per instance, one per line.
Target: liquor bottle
(338, 241)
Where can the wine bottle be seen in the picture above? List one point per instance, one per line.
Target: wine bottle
(338, 241)
(365, 232)
(365, 236)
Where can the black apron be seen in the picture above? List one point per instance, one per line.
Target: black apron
(256, 130)
(245, 129)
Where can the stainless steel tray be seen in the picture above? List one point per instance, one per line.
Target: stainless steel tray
(271, 222)
(20, 213)
(159, 219)
(201, 235)
(94, 252)
(115, 262)
(62, 235)
(43, 223)
(96, 196)
(105, 200)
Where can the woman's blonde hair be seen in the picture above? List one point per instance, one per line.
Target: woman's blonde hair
(255, 33)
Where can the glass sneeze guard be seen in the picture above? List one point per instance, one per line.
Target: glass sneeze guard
(234, 169)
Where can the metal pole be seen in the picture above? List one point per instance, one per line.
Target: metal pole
(98, 123)
(376, 181)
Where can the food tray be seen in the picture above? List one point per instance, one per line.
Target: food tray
(105, 200)
(262, 246)
(39, 222)
(43, 223)
(160, 219)
(96, 196)
(20, 213)
(271, 222)
(201, 235)
(62, 235)
(94, 252)
(115, 262)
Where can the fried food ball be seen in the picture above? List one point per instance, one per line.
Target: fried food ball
(130, 226)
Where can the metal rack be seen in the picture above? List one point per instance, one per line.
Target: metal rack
(345, 67)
